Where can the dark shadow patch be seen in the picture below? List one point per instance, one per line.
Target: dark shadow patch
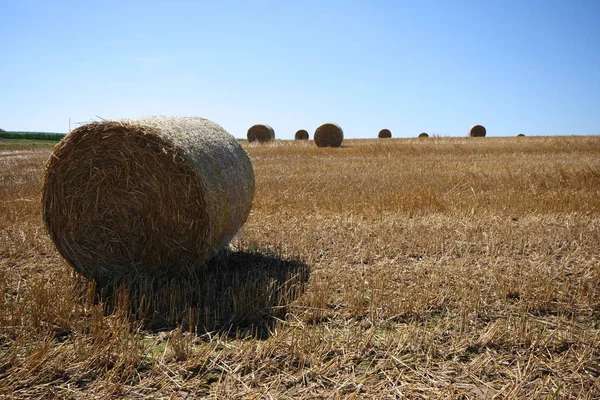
(238, 293)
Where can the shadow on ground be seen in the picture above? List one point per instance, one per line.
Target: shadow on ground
(239, 293)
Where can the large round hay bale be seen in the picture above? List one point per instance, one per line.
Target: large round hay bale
(520, 135)
(423, 134)
(301, 134)
(384, 134)
(477, 131)
(329, 134)
(261, 133)
(156, 195)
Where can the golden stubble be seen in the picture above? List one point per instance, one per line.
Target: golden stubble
(437, 268)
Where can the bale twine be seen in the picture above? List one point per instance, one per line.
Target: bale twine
(156, 195)
(423, 134)
(329, 134)
(477, 131)
(301, 134)
(261, 133)
(385, 134)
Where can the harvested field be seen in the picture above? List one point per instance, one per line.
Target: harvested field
(440, 268)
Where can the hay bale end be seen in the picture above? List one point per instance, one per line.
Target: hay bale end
(477, 131)
(301, 134)
(384, 134)
(329, 134)
(261, 133)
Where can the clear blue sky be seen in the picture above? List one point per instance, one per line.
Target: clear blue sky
(527, 66)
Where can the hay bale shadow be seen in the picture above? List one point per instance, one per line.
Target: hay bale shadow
(240, 293)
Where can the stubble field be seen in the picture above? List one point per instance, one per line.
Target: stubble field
(399, 268)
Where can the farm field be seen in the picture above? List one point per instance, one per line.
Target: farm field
(465, 268)
(26, 142)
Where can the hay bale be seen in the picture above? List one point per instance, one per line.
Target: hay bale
(302, 134)
(520, 135)
(261, 133)
(156, 195)
(329, 134)
(477, 131)
(423, 134)
(384, 134)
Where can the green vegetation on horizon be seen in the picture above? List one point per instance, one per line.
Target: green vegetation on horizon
(32, 136)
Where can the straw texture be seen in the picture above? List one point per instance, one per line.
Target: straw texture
(477, 131)
(154, 195)
(261, 133)
(329, 134)
(385, 134)
(301, 134)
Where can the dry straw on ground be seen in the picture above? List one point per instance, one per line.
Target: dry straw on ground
(477, 131)
(261, 133)
(423, 134)
(385, 134)
(154, 195)
(445, 285)
(329, 134)
(301, 134)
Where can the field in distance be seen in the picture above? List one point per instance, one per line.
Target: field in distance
(419, 268)
(26, 142)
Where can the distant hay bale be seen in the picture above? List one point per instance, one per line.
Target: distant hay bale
(156, 195)
(385, 134)
(423, 134)
(477, 131)
(261, 133)
(520, 135)
(329, 134)
(302, 134)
